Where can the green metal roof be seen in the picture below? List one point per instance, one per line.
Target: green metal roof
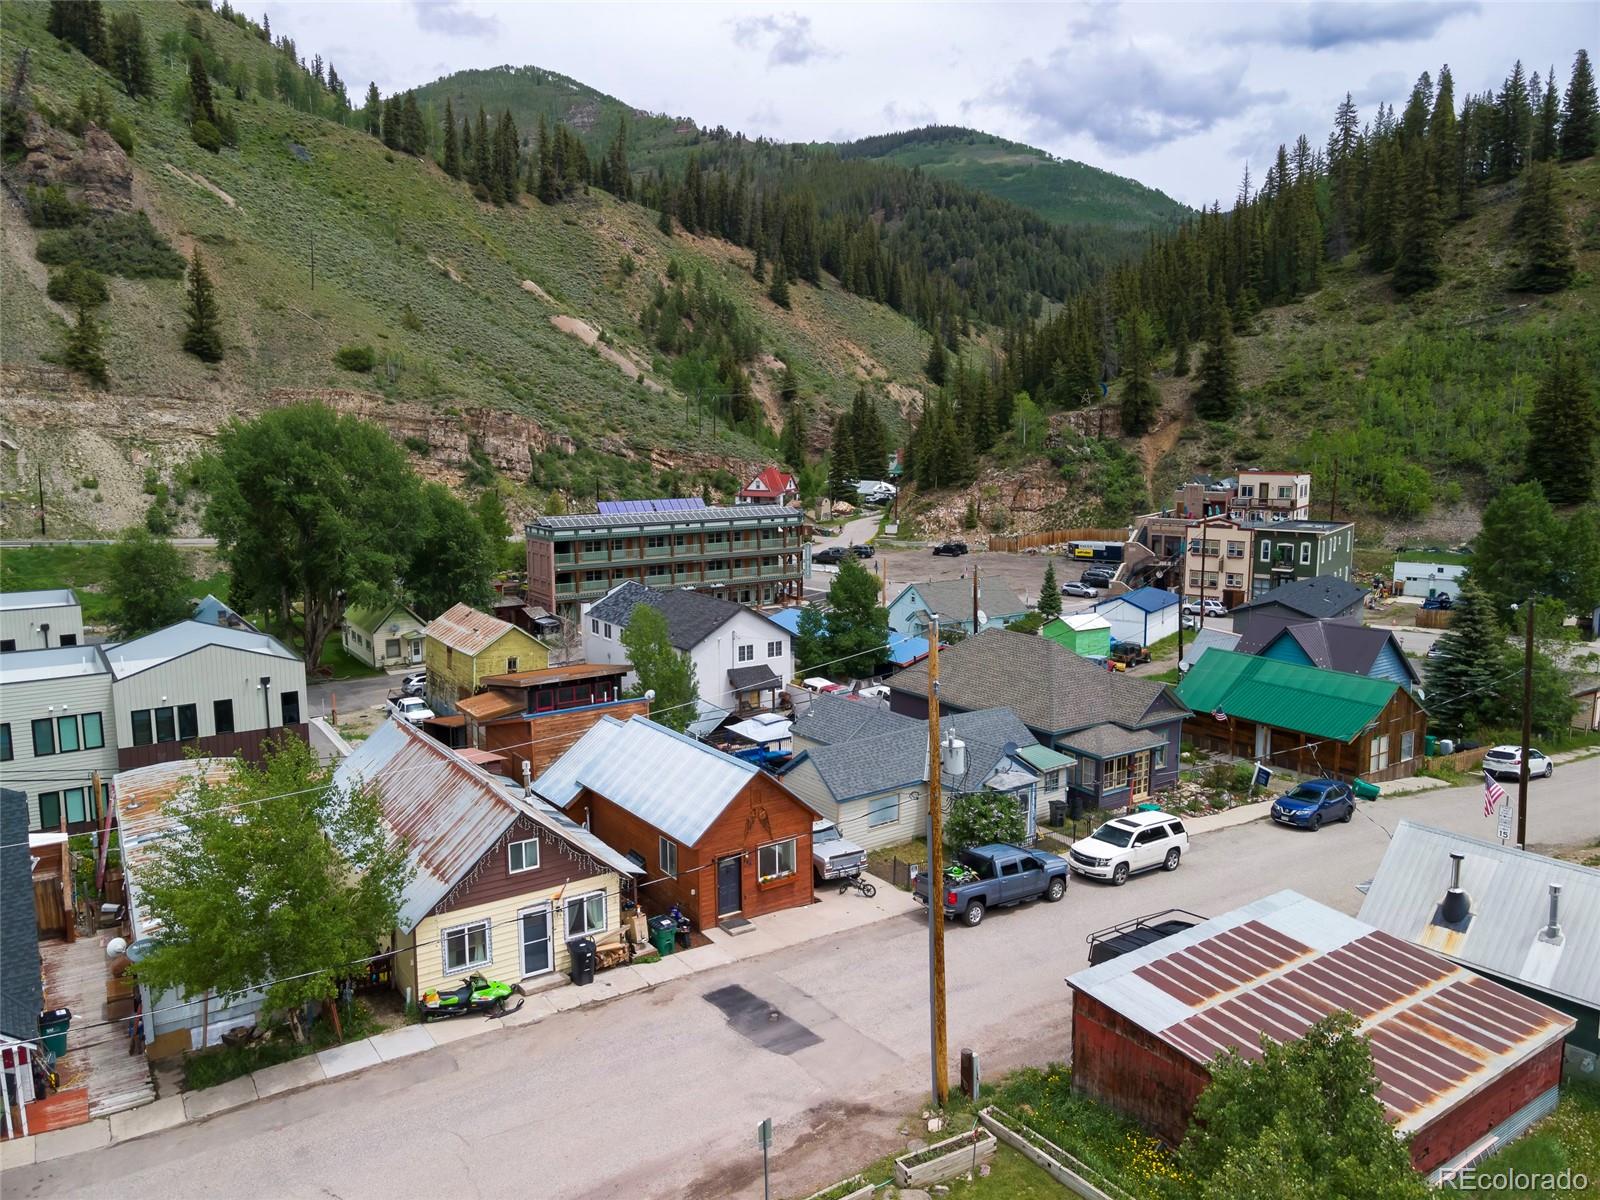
(1042, 758)
(1328, 704)
(368, 619)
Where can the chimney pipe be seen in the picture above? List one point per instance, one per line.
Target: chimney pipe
(1552, 931)
(1455, 907)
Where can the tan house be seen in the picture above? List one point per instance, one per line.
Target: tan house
(383, 636)
(502, 882)
(463, 647)
(1218, 561)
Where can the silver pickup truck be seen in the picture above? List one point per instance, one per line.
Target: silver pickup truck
(832, 856)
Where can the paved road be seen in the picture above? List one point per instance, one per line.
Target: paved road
(659, 1093)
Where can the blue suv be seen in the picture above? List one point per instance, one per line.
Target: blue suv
(1308, 805)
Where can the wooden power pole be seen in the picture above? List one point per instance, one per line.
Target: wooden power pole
(1527, 729)
(936, 1016)
(975, 599)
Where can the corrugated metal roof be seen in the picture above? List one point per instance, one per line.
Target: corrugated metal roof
(1277, 966)
(686, 517)
(562, 674)
(486, 706)
(1330, 704)
(141, 797)
(1209, 638)
(466, 629)
(46, 598)
(1509, 893)
(164, 645)
(1043, 758)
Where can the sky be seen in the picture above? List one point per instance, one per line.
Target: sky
(1178, 96)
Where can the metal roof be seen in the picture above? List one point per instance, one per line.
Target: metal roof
(1275, 967)
(1328, 704)
(59, 662)
(164, 645)
(1043, 758)
(1508, 891)
(1209, 638)
(45, 598)
(562, 674)
(1146, 599)
(486, 706)
(667, 779)
(466, 629)
(763, 729)
(694, 516)
(141, 796)
(608, 508)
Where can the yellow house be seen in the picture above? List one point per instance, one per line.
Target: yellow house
(500, 883)
(463, 646)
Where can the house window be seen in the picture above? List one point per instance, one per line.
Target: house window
(77, 811)
(1305, 553)
(1247, 491)
(774, 649)
(5, 742)
(1408, 745)
(188, 723)
(524, 855)
(1235, 549)
(775, 860)
(656, 570)
(655, 541)
(608, 631)
(1266, 550)
(44, 737)
(166, 725)
(1114, 774)
(1052, 781)
(1378, 753)
(449, 656)
(667, 856)
(49, 810)
(511, 664)
(291, 708)
(747, 653)
(142, 735)
(66, 734)
(586, 915)
(391, 647)
(222, 716)
(1194, 581)
(594, 625)
(466, 946)
(883, 810)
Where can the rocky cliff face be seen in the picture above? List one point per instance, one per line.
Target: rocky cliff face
(96, 173)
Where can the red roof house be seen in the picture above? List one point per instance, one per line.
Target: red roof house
(773, 486)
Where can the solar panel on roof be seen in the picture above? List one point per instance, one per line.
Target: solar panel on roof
(613, 508)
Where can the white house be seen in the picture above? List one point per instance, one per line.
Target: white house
(742, 658)
(57, 729)
(1144, 615)
(40, 620)
(1424, 579)
(383, 636)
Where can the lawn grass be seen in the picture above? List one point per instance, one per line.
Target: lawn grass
(339, 663)
(1567, 1140)
(1011, 1177)
(218, 1064)
(881, 861)
(86, 570)
(1167, 647)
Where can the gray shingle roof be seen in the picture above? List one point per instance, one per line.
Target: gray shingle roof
(831, 718)
(868, 766)
(952, 598)
(691, 616)
(747, 679)
(1112, 741)
(21, 993)
(1332, 645)
(1319, 597)
(1051, 688)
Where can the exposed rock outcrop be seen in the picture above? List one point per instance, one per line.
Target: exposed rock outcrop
(97, 173)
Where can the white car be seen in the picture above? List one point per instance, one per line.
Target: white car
(1126, 845)
(411, 709)
(414, 684)
(1212, 608)
(1505, 762)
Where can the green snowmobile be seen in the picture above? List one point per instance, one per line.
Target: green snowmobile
(476, 994)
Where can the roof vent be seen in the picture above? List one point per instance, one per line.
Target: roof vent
(1456, 906)
(1552, 931)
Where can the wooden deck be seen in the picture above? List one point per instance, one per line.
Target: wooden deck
(76, 975)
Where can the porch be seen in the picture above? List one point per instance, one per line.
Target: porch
(101, 1060)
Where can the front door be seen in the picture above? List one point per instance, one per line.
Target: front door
(1139, 777)
(728, 872)
(536, 940)
(416, 650)
(1263, 742)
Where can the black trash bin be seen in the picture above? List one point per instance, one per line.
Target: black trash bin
(1058, 813)
(582, 951)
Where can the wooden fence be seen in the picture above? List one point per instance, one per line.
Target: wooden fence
(1014, 543)
(1461, 760)
(1434, 618)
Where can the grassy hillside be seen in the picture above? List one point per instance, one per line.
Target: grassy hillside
(406, 261)
(1057, 189)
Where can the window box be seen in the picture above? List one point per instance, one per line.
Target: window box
(775, 862)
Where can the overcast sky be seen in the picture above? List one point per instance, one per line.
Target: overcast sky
(1176, 95)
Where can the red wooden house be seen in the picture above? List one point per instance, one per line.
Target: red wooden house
(773, 486)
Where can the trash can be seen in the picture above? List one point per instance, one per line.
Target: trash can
(663, 934)
(1364, 790)
(582, 951)
(53, 1024)
(1058, 813)
(1430, 745)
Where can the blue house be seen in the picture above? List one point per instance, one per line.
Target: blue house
(1143, 616)
(1333, 646)
(904, 648)
(913, 610)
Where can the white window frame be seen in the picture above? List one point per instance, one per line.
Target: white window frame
(745, 652)
(1052, 781)
(582, 902)
(608, 631)
(1408, 745)
(1305, 554)
(762, 876)
(1378, 753)
(464, 931)
(1266, 550)
(526, 865)
(594, 625)
(549, 936)
(667, 852)
(775, 649)
(883, 810)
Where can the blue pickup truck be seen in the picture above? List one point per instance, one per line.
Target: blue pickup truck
(993, 876)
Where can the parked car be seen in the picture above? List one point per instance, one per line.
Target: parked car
(1129, 654)
(1505, 762)
(950, 549)
(1211, 608)
(411, 709)
(861, 551)
(1439, 600)
(1126, 845)
(818, 686)
(829, 554)
(1308, 805)
(1078, 589)
(833, 856)
(1098, 576)
(414, 684)
(991, 876)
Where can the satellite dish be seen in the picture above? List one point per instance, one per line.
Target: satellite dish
(116, 946)
(140, 950)
(983, 617)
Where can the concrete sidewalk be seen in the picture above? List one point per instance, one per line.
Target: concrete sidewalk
(832, 914)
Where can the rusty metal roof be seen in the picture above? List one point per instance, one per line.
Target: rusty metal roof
(141, 796)
(562, 674)
(1438, 1032)
(485, 706)
(466, 629)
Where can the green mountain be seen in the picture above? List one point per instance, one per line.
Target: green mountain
(1058, 189)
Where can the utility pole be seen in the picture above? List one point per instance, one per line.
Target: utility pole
(41, 500)
(1205, 528)
(1527, 729)
(936, 1031)
(313, 235)
(1333, 499)
(974, 599)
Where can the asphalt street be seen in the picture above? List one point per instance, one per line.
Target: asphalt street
(658, 1094)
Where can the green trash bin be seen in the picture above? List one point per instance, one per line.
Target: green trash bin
(1430, 745)
(53, 1023)
(1365, 790)
(663, 934)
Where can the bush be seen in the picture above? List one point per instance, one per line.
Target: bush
(52, 209)
(979, 818)
(121, 133)
(126, 245)
(206, 135)
(76, 284)
(354, 358)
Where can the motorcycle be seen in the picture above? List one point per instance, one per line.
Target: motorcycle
(476, 994)
(859, 883)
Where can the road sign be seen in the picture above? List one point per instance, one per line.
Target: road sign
(764, 1133)
(1505, 820)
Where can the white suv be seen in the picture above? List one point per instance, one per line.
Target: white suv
(1505, 762)
(1126, 845)
(1213, 608)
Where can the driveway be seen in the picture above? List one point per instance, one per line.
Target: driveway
(658, 1094)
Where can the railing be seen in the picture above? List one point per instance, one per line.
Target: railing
(565, 558)
(657, 551)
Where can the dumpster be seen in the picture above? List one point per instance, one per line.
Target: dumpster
(1430, 745)
(53, 1024)
(663, 934)
(582, 951)
(1364, 790)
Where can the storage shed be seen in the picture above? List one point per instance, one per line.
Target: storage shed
(1087, 634)
(1143, 616)
(1462, 1063)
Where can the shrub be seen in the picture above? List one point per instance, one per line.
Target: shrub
(122, 133)
(354, 358)
(51, 208)
(77, 284)
(415, 444)
(126, 245)
(206, 135)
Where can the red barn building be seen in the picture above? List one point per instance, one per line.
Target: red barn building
(1463, 1063)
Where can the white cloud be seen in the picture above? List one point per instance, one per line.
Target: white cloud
(907, 116)
(786, 36)
(453, 19)
(1330, 25)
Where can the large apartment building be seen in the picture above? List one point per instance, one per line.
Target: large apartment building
(751, 554)
(1271, 496)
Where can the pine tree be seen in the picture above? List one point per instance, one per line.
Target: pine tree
(1514, 126)
(778, 293)
(1464, 675)
(1180, 354)
(664, 221)
(792, 441)
(1444, 145)
(1540, 223)
(129, 55)
(452, 144)
(547, 165)
(841, 462)
(372, 114)
(1580, 112)
(413, 134)
(1218, 393)
(869, 441)
(80, 23)
(201, 104)
(201, 335)
(83, 351)
(1050, 592)
(1562, 427)
(1418, 260)
(393, 124)
(618, 180)
(759, 270)
(513, 156)
(937, 363)
(467, 154)
(1140, 400)
(1546, 140)
(482, 172)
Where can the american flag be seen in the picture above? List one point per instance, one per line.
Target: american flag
(1493, 793)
